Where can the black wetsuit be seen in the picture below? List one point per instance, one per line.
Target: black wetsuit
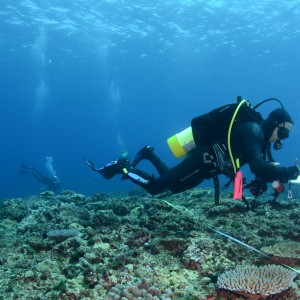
(248, 144)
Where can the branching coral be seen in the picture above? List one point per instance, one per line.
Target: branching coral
(256, 281)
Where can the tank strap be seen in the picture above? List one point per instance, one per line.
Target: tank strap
(223, 162)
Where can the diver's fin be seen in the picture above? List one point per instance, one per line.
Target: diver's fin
(90, 164)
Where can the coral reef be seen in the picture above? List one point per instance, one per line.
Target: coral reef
(71, 246)
(60, 235)
(289, 294)
(256, 282)
(140, 290)
(285, 252)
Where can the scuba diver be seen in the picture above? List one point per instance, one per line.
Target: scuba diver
(215, 147)
(53, 184)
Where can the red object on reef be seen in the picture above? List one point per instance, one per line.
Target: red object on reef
(238, 186)
(278, 186)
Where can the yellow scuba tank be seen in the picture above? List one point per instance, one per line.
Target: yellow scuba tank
(181, 143)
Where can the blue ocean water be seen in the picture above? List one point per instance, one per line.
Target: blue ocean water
(93, 78)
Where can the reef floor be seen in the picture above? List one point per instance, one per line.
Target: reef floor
(71, 246)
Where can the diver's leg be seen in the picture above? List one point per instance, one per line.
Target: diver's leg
(111, 169)
(147, 152)
(31, 170)
(159, 165)
(143, 180)
(25, 169)
(39, 176)
(122, 166)
(187, 174)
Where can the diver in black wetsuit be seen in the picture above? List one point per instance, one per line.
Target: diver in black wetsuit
(53, 184)
(251, 142)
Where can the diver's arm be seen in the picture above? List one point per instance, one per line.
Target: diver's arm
(253, 145)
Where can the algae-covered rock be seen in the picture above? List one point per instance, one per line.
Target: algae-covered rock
(15, 209)
(48, 265)
(140, 290)
(8, 223)
(47, 194)
(71, 196)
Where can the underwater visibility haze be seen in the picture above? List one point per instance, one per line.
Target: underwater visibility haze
(97, 78)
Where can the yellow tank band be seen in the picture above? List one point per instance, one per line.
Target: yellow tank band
(125, 171)
(175, 147)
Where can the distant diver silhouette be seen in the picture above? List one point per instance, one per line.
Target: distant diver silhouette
(53, 184)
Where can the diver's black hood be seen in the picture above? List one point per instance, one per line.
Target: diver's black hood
(275, 118)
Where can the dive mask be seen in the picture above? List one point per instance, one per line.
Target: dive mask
(282, 133)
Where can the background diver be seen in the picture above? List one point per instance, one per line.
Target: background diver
(52, 182)
(251, 143)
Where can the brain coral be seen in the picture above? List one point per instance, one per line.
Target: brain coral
(256, 282)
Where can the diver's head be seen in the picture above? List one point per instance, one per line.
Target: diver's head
(276, 127)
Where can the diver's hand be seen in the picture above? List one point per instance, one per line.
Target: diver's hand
(295, 181)
(293, 172)
(90, 164)
(257, 187)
